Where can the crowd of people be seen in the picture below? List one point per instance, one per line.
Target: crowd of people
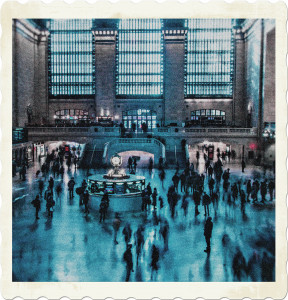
(188, 187)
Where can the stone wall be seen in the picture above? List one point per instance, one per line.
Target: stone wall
(29, 73)
(269, 79)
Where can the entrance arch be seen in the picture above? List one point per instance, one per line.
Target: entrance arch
(142, 158)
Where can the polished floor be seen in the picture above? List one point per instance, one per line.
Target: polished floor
(74, 246)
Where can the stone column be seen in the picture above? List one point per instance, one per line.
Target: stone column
(174, 61)
(239, 115)
(105, 70)
(40, 107)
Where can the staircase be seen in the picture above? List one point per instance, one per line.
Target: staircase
(170, 159)
(92, 157)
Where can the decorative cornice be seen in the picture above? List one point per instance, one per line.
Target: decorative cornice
(28, 31)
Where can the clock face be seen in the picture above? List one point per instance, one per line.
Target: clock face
(116, 161)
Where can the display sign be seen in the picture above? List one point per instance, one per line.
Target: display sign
(19, 135)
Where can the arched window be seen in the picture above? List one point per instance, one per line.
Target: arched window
(139, 116)
(208, 117)
(71, 58)
(209, 58)
(139, 58)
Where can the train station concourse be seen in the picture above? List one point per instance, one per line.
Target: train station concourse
(143, 150)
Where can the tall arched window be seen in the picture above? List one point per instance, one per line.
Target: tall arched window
(209, 58)
(139, 58)
(71, 58)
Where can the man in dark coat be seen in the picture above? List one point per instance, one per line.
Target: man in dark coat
(196, 198)
(208, 227)
(71, 184)
(36, 203)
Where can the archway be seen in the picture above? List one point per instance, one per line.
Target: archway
(142, 158)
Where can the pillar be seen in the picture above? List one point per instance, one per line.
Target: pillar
(240, 111)
(174, 61)
(105, 68)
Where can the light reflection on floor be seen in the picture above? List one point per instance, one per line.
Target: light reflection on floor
(74, 247)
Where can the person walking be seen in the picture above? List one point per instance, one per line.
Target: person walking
(234, 190)
(239, 265)
(197, 199)
(37, 204)
(243, 165)
(197, 156)
(127, 257)
(135, 164)
(51, 183)
(271, 187)
(185, 203)
(263, 190)
(71, 185)
(86, 201)
(41, 186)
(154, 198)
(210, 171)
(208, 227)
(183, 181)
(130, 162)
(139, 241)
(50, 205)
(206, 201)
(248, 189)
(164, 231)
(127, 232)
(175, 180)
(211, 185)
(58, 190)
(162, 177)
(150, 166)
(154, 262)
(102, 210)
(116, 225)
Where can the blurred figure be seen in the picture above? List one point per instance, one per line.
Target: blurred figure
(239, 265)
(71, 185)
(127, 232)
(86, 201)
(208, 227)
(271, 187)
(116, 225)
(36, 203)
(150, 166)
(164, 231)
(253, 267)
(206, 201)
(154, 198)
(127, 257)
(139, 241)
(267, 268)
(41, 186)
(154, 262)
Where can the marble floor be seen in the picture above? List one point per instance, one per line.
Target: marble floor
(74, 246)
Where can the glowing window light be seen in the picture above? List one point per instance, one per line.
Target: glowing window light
(209, 58)
(71, 57)
(139, 57)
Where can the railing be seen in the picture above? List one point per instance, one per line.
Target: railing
(206, 131)
(58, 129)
(91, 131)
